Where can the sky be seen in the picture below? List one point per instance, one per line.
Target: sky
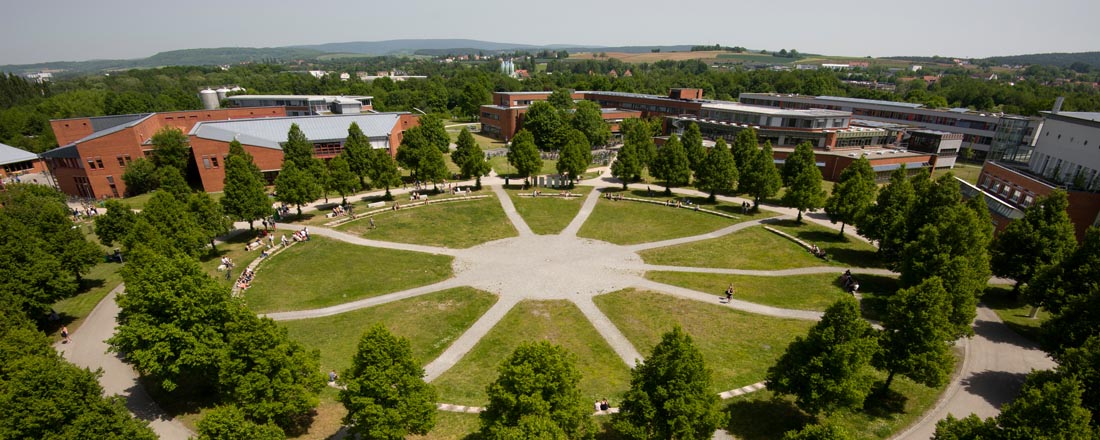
(70, 30)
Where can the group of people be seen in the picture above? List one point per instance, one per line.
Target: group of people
(88, 212)
(245, 280)
(415, 195)
(601, 405)
(818, 252)
(282, 210)
(745, 207)
(614, 197)
(339, 210)
(849, 282)
(302, 234)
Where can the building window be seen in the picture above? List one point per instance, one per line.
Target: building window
(99, 162)
(1028, 200)
(120, 162)
(91, 163)
(214, 160)
(206, 162)
(127, 157)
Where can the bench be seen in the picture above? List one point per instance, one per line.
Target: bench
(376, 204)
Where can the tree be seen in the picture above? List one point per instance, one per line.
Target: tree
(917, 337)
(170, 180)
(760, 178)
(1049, 406)
(228, 423)
(383, 170)
(954, 248)
(43, 210)
(538, 379)
(524, 155)
(1044, 237)
(887, 220)
(545, 124)
(473, 96)
(357, 149)
(1070, 292)
(243, 196)
(172, 220)
(170, 321)
(33, 277)
(670, 394)
(575, 155)
(588, 118)
(341, 178)
(298, 148)
(693, 146)
(639, 133)
(743, 148)
(627, 165)
(719, 171)
(803, 181)
(561, 99)
(114, 224)
(270, 377)
(171, 148)
(413, 145)
(140, 176)
(828, 369)
(818, 432)
(432, 166)
(212, 222)
(469, 157)
(672, 165)
(386, 396)
(435, 133)
(852, 195)
(296, 187)
(1083, 363)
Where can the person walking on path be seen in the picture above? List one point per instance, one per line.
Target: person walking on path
(372, 222)
(65, 339)
(729, 293)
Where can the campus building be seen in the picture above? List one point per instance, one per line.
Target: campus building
(263, 139)
(504, 117)
(306, 105)
(999, 136)
(95, 151)
(1065, 157)
(16, 162)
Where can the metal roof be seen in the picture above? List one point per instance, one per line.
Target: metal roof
(115, 129)
(326, 98)
(272, 132)
(766, 110)
(10, 154)
(871, 101)
(1088, 116)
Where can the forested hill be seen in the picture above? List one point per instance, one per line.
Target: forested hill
(408, 46)
(185, 57)
(1051, 59)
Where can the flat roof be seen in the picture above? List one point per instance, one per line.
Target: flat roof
(871, 101)
(271, 132)
(1084, 116)
(638, 95)
(10, 154)
(308, 97)
(761, 109)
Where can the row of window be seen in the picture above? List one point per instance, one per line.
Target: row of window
(1009, 191)
(210, 161)
(1071, 139)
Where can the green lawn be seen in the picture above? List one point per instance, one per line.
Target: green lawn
(452, 225)
(756, 248)
(234, 248)
(548, 215)
(430, 323)
(97, 283)
(967, 172)
(737, 346)
(625, 222)
(1014, 311)
(323, 272)
(484, 142)
(802, 292)
(451, 426)
(500, 164)
(560, 322)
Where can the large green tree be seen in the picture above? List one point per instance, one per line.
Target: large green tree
(853, 194)
(341, 178)
(1044, 237)
(670, 394)
(1048, 407)
(140, 176)
(638, 133)
(1070, 292)
(561, 99)
(383, 170)
(210, 218)
(297, 148)
(672, 165)
(435, 133)
(172, 220)
(229, 423)
(469, 157)
(887, 221)
(588, 118)
(743, 147)
(386, 396)
(829, 367)
(545, 123)
(575, 155)
(113, 225)
(538, 380)
(718, 172)
(357, 149)
(693, 146)
(803, 181)
(473, 96)
(295, 186)
(760, 178)
(627, 165)
(244, 197)
(524, 155)
(916, 339)
(171, 148)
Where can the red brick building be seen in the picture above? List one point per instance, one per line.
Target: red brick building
(17, 162)
(95, 151)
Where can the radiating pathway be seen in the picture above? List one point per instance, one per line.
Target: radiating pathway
(587, 207)
(771, 273)
(510, 211)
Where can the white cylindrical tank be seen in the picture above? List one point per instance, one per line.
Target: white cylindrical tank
(221, 93)
(209, 99)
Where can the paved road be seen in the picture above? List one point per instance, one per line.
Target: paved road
(89, 350)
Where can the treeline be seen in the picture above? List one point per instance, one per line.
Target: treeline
(704, 48)
(458, 89)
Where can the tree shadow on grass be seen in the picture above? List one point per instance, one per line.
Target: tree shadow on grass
(876, 290)
(884, 403)
(765, 419)
(223, 247)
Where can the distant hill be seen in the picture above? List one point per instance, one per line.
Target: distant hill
(1050, 59)
(186, 57)
(567, 48)
(410, 46)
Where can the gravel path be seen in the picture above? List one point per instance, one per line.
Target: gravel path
(582, 216)
(682, 240)
(510, 210)
(365, 302)
(735, 303)
(469, 339)
(770, 273)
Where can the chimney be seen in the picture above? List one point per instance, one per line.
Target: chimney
(1058, 104)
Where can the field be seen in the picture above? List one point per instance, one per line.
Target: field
(453, 225)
